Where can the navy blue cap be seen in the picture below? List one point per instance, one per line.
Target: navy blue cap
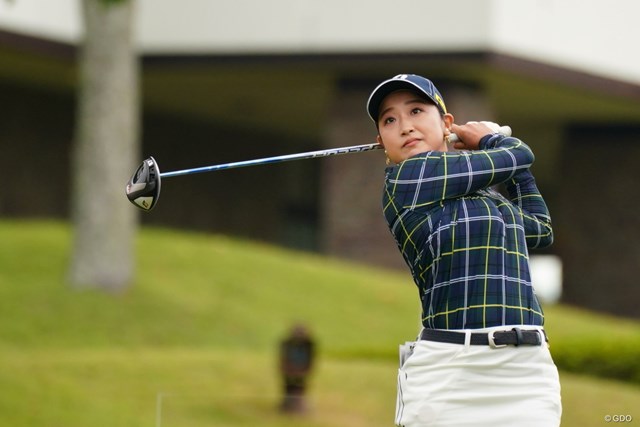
(411, 82)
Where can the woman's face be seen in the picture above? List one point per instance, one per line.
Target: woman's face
(409, 125)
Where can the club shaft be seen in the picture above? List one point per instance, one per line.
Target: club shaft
(505, 130)
(276, 159)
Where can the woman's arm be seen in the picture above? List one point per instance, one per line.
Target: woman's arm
(524, 193)
(435, 176)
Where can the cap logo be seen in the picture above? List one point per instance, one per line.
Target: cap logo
(409, 81)
(440, 101)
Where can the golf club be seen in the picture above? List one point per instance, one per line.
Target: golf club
(143, 188)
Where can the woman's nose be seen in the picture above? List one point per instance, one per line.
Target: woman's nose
(406, 127)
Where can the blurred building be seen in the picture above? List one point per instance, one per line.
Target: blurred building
(226, 81)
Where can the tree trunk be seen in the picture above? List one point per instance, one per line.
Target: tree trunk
(105, 148)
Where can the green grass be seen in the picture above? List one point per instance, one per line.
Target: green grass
(197, 333)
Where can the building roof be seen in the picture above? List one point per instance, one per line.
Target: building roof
(553, 60)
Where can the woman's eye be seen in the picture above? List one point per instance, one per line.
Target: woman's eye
(416, 110)
(388, 120)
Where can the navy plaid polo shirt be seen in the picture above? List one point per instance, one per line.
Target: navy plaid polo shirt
(465, 243)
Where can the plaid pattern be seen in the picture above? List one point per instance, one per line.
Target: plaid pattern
(466, 244)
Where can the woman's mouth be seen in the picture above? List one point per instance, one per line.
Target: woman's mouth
(410, 143)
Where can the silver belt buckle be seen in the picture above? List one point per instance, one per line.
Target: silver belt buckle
(492, 341)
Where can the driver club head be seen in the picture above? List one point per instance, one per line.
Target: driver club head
(143, 189)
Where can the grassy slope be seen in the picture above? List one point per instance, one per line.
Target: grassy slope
(198, 330)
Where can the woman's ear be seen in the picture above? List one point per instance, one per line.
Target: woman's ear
(448, 121)
(386, 155)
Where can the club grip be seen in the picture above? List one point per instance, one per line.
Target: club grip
(504, 130)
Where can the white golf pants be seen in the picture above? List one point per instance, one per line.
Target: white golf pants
(456, 385)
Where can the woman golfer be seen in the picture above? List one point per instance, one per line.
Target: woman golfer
(481, 358)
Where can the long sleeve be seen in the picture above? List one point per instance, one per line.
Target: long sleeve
(465, 244)
(434, 176)
(524, 193)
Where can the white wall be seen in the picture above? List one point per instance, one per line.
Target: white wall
(58, 20)
(588, 35)
(592, 35)
(312, 25)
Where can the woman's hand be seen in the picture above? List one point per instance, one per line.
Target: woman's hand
(471, 133)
